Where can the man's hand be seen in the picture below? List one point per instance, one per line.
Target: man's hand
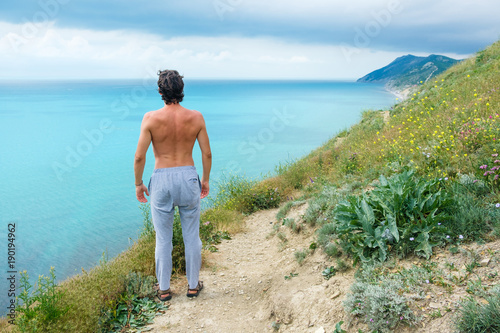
(139, 193)
(205, 188)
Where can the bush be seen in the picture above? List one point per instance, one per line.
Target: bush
(301, 255)
(376, 300)
(135, 307)
(403, 212)
(321, 206)
(229, 189)
(39, 305)
(332, 251)
(259, 198)
(326, 234)
(139, 285)
(294, 174)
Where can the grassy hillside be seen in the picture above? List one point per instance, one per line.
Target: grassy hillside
(398, 183)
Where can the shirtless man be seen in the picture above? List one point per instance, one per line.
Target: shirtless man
(173, 131)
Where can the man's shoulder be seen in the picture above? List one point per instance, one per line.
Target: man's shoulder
(152, 114)
(195, 114)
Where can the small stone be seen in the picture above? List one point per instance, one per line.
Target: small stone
(320, 330)
(485, 262)
(221, 274)
(335, 294)
(434, 305)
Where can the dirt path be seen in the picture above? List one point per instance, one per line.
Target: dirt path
(246, 290)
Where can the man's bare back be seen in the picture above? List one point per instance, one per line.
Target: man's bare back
(173, 130)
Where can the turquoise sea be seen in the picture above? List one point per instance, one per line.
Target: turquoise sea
(67, 148)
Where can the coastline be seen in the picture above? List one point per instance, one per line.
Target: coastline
(401, 94)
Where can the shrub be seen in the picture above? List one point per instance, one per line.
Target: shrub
(139, 285)
(39, 305)
(259, 198)
(326, 234)
(294, 174)
(376, 299)
(403, 212)
(320, 207)
(300, 256)
(341, 265)
(332, 250)
(381, 307)
(229, 189)
(210, 237)
(135, 307)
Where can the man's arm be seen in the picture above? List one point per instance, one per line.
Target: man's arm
(140, 160)
(206, 158)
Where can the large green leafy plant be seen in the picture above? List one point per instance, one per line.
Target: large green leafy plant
(404, 213)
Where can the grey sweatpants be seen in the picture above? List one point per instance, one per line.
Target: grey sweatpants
(168, 188)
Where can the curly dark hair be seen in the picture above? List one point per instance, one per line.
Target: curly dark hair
(171, 86)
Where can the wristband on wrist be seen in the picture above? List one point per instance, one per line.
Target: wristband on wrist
(139, 183)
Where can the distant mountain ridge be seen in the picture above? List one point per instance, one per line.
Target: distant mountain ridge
(409, 70)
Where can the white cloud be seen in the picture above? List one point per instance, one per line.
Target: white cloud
(78, 53)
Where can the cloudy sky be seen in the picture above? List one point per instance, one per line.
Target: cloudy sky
(293, 39)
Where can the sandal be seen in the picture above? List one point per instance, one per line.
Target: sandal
(198, 288)
(164, 292)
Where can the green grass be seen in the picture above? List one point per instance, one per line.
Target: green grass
(476, 317)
